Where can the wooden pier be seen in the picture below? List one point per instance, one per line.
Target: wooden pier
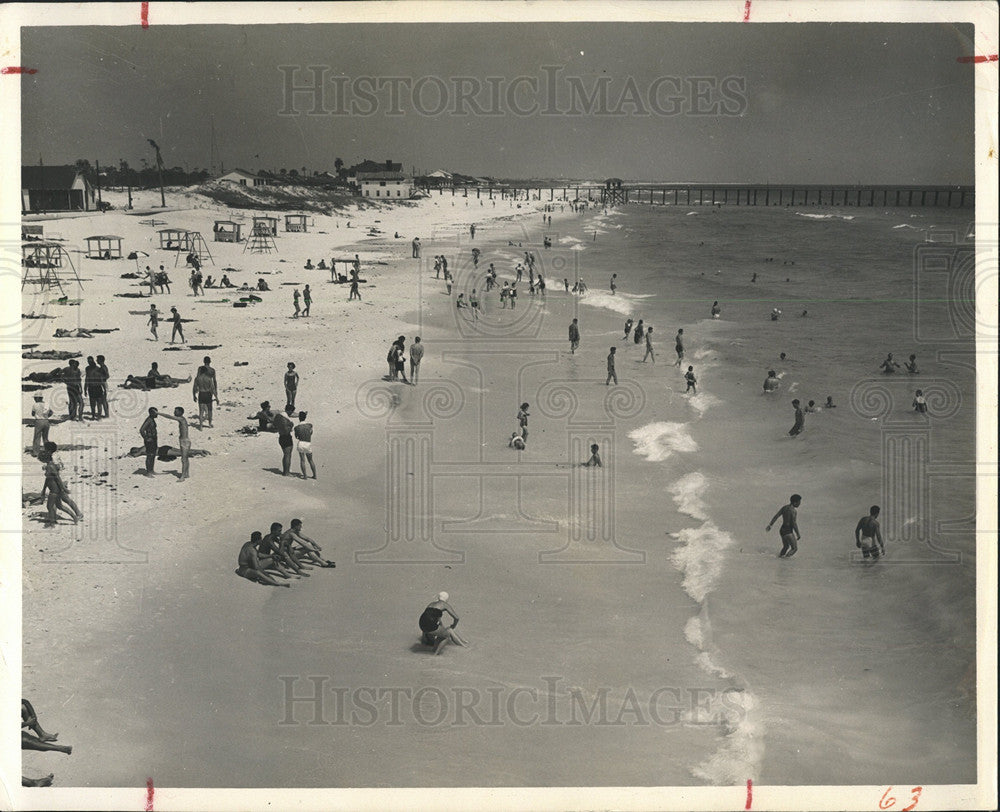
(617, 192)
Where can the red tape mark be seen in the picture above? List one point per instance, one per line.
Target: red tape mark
(977, 59)
(749, 780)
(149, 781)
(144, 15)
(746, 11)
(18, 70)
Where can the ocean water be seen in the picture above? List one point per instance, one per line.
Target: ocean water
(852, 672)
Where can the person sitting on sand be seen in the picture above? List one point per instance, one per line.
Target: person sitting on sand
(309, 265)
(263, 417)
(305, 547)
(245, 287)
(38, 740)
(322, 265)
(209, 282)
(911, 365)
(771, 382)
(829, 403)
(433, 632)
(595, 458)
(262, 284)
(252, 566)
(889, 366)
(225, 283)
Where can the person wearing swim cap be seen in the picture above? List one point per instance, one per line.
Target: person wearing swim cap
(433, 632)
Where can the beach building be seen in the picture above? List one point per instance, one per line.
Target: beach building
(104, 247)
(55, 188)
(387, 181)
(227, 231)
(244, 178)
(296, 222)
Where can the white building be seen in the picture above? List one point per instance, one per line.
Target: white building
(385, 185)
(243, 178)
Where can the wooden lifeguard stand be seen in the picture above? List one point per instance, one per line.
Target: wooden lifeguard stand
(174, 239)
(266, 222)
(196, 246)
(296, 222)
(45, 263)
(107, 247)
(261, 240)
(613, 193)
(227, 231)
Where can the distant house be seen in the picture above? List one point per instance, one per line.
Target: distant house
(382, 181)
(55, 188)
(244, 178)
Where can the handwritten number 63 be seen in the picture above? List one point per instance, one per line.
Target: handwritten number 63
(887, 801)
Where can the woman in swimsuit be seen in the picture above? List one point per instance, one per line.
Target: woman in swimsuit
(433, 632)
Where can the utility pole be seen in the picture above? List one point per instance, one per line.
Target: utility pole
(159, 170)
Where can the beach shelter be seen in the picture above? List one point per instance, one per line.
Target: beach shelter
(196, 246)
(267, 222)
(295, 222)
(261, 240)
(107, 247)
(174, 239)
(46, 264)
(227, 231)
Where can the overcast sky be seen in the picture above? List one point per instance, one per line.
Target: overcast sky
(811, 102)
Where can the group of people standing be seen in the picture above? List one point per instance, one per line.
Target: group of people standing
(397, 360)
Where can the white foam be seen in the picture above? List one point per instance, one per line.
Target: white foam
(568, 239)
(687, 492)
(702, 402)
(825, 216)
(578, 247)
(623, 303)
(742, 750)
(659, 441)
(700, 557)
(907, 225)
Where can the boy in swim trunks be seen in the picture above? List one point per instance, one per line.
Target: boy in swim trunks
(790, 535)
(867, 533)
(304, 433)
(183, 438)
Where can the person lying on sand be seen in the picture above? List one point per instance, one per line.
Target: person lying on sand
(53, 376)
(79, 332)
(252, 566)
(145, 383)
(433, 632)
(166, 453)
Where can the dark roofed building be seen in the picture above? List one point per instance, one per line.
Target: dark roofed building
(55, 188)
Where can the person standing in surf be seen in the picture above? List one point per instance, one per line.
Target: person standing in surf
(790, 536)
(868, 533)
(800, 419)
